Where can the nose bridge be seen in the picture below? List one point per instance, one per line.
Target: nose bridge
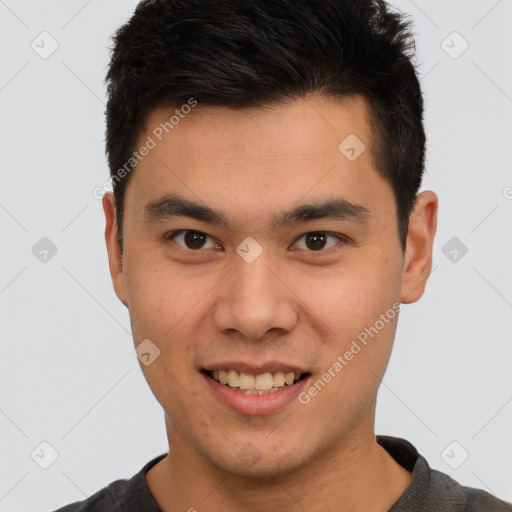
(253, 300)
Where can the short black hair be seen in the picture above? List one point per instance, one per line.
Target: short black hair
(255, 53)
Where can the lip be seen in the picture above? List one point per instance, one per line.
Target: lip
(269, 367)
(255, 405)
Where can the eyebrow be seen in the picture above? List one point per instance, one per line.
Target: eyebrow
(174, 205)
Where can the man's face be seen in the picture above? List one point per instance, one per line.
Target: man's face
(256, 297)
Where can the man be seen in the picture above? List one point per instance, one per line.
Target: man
(264, 230)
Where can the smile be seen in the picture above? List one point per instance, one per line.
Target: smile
(255, 389)
(261, 384)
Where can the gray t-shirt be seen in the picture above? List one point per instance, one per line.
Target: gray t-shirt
(429, 491)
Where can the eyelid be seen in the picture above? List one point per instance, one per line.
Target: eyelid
(172, 234)
(342, 238)
(339, 236)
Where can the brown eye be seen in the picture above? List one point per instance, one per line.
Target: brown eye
(193, 240)
(318, 241)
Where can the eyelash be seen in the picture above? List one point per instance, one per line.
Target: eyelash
(171, 235)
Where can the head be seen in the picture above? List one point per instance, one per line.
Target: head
(266, 159)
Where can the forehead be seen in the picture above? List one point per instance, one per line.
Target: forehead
(256, 159)
(307, 127)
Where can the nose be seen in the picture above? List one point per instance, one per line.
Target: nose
(253, 299)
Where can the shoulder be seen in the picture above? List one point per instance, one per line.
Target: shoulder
(467, 499)
(431, 490)
(121, 495)
(106, 499)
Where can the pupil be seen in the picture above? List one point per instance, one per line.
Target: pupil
(317, 240)
(194, 240)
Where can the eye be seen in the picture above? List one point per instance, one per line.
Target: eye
(317, 241)
(314, 241)
(194, 240)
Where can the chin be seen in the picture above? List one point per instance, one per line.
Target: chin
(265, 463)
(263, 469)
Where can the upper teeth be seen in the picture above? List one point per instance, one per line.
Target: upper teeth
(262, 382)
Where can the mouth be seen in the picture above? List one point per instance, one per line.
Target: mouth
(256, 384)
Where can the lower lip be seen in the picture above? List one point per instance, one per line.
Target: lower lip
(254, 405)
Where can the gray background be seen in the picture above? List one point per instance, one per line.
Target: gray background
(68, 374)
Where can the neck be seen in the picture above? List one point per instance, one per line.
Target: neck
(355, 475)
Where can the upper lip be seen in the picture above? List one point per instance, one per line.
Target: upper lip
(255, 369)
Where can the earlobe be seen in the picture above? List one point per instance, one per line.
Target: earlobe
(115, 259)
(420, 241)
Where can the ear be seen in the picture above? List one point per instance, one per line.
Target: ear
(418, 252)
(115, 258)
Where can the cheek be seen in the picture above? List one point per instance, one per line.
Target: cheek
(160, 298)
(353, 368)
(161, 307)
(349, 299)
(360, 309)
